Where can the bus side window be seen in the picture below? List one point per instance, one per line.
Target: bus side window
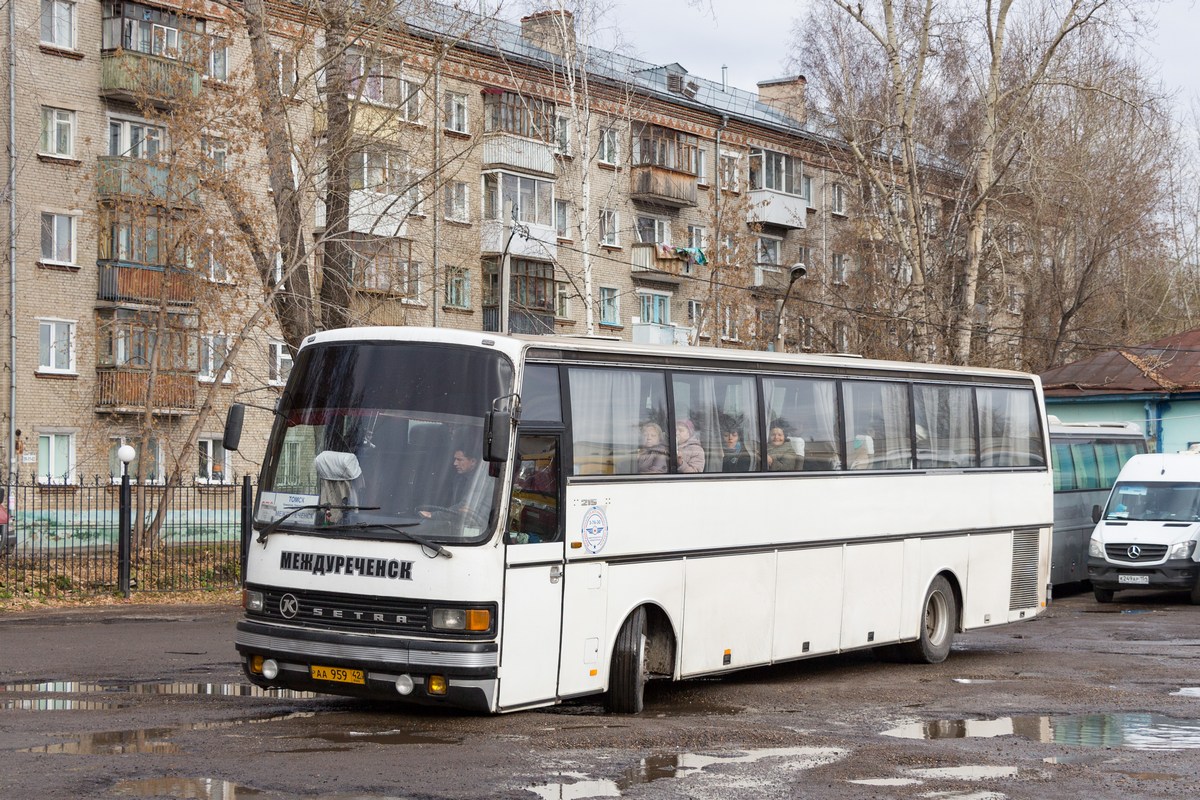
(533, 507)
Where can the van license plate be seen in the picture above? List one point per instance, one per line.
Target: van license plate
(337, 674)
(1140, 580)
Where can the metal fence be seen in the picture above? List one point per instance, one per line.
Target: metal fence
(64, 540)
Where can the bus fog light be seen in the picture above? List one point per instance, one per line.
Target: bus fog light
(270, 669)
(256, 663)
(404, 684)
(436, 684)
(252, 601)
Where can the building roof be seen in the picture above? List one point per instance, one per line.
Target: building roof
(1167, 366)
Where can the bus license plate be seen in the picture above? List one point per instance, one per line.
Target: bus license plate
(1141, 580)
(337, 674)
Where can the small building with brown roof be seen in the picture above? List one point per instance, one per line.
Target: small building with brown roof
(1156, 385)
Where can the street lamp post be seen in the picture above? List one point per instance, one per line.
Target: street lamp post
(125, 454)
(795, 273)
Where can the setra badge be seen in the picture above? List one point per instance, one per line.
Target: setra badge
(594, 529)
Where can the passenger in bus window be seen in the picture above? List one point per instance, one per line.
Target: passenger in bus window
(689, 452)
(652, 454)
(735, 457)
(862, 450)
(784, 454)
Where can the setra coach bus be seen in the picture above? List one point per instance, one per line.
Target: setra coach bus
(502, 522)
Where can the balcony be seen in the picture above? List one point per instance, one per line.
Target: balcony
(143, 78)
(374, 213)
(121, 390)
(139, 178)
(650, 183)
(520, 320)
(655, 333)
(516, 152)
(770, 207)
(131, 283)
(647, 261)
(542, 242)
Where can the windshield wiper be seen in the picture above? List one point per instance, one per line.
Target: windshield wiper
(400, 529)
(274, 524)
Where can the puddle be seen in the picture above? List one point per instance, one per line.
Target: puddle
(1187, 691)
(972, 773)
(56, 704)
(383, 737)
(886, 782)
(144, 740)
(678, 765)
(1135, 731)
(156, 688)
(196, 788)
(973, 680)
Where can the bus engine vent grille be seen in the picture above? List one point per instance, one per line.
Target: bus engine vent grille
(1026, 553)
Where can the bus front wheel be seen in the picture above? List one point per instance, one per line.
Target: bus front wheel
(1102, 595)
(627, 678)
(1196, 592)
(939, 618)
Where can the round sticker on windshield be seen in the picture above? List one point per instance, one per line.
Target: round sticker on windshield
(594, 529)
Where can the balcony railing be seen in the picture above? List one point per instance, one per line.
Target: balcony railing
(648, 258)
(120, 176)
(519, 321)
(129, 283)
(777, 208)
(125, 391)
(527, 155)
(656, 333)
(654, 184)
(136, 77)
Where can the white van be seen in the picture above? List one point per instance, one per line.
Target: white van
(1146, 536)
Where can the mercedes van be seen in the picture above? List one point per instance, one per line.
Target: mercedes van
(1145, 537)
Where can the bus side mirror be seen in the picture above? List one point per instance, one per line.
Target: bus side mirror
(497, 436)
(1095, 514)
(233, 427)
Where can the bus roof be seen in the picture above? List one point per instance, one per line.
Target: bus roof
(1091, 430)
(514, 346)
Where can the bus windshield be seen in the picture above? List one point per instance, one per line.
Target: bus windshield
(384, 439)
(1155, 502)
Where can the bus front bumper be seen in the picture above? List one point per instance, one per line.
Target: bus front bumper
(1176, 574)
(469, 668)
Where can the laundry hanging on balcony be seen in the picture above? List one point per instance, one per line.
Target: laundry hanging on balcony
(694, 255)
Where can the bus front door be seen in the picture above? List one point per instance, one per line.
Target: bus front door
(533, 584)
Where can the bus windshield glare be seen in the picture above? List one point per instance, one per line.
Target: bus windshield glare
(385, 440)
(1154, 502)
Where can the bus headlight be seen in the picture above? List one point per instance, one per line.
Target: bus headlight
(461, 619)
(1095, 548)
(252, 601)
(1182, 549)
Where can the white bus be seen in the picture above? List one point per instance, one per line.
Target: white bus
(497, 523)
(1087, 456)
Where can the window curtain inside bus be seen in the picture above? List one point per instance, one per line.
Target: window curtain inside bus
(714, 403)
(943, 417)
(1008, 428)
(877, 435)
(806, 410)
(608, 407)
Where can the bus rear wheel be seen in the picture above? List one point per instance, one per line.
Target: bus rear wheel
(630, 667)
(939, 618)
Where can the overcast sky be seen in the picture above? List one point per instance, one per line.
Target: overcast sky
(751, 37)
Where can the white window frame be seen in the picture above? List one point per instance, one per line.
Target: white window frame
(610, 227)
(127, 124)
(768, 251)
(562, 219)
(54, 474)
(288, 72)
(562, 134)
(73, 236)
(278, 355)
(53, 121)
(58, 8)
(841, 337)
(729, 164)
(610, 297)
(157, 452)
(209, 359)
(839, 268)
(58, 328)
(207, 445)
(409, 100)
(455, 110)
(659, 298)
(837, 199)
(458, 282)
(662, 229)
(458, 201)
(562, 299)
(701, 166)
(216, 150)
(216, 66)
(608, 147)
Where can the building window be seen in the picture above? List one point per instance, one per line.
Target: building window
(837, 199)
(148, 454)
(653, 230)
(730, 171)
(410, 100)
(211, 261)
(56, 458)
(213, 462)
(218, 59)
(840, 269)
(562, 134)
(148, 29)
(609, 226)
(456, 201)
(664, 147)
(279, 364)
(532, 198)
(606, 151)
(610, 306)
(214, 348)
(216, 151)
(56, 346)
(655, 308)
(458, 287)
(806, 189)
(702, 167)
(58, 132)
(380, 264)
(841, 337)
(287, 72)
(509, 112)
(804, 332)
(562, 219)
(456, 112)
(58, 238)
(1012, 300)
(380, 171)
(58, 23)
(374, 77)
(562, 299)
(768, 250)
(134, 139)
(775, 171)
